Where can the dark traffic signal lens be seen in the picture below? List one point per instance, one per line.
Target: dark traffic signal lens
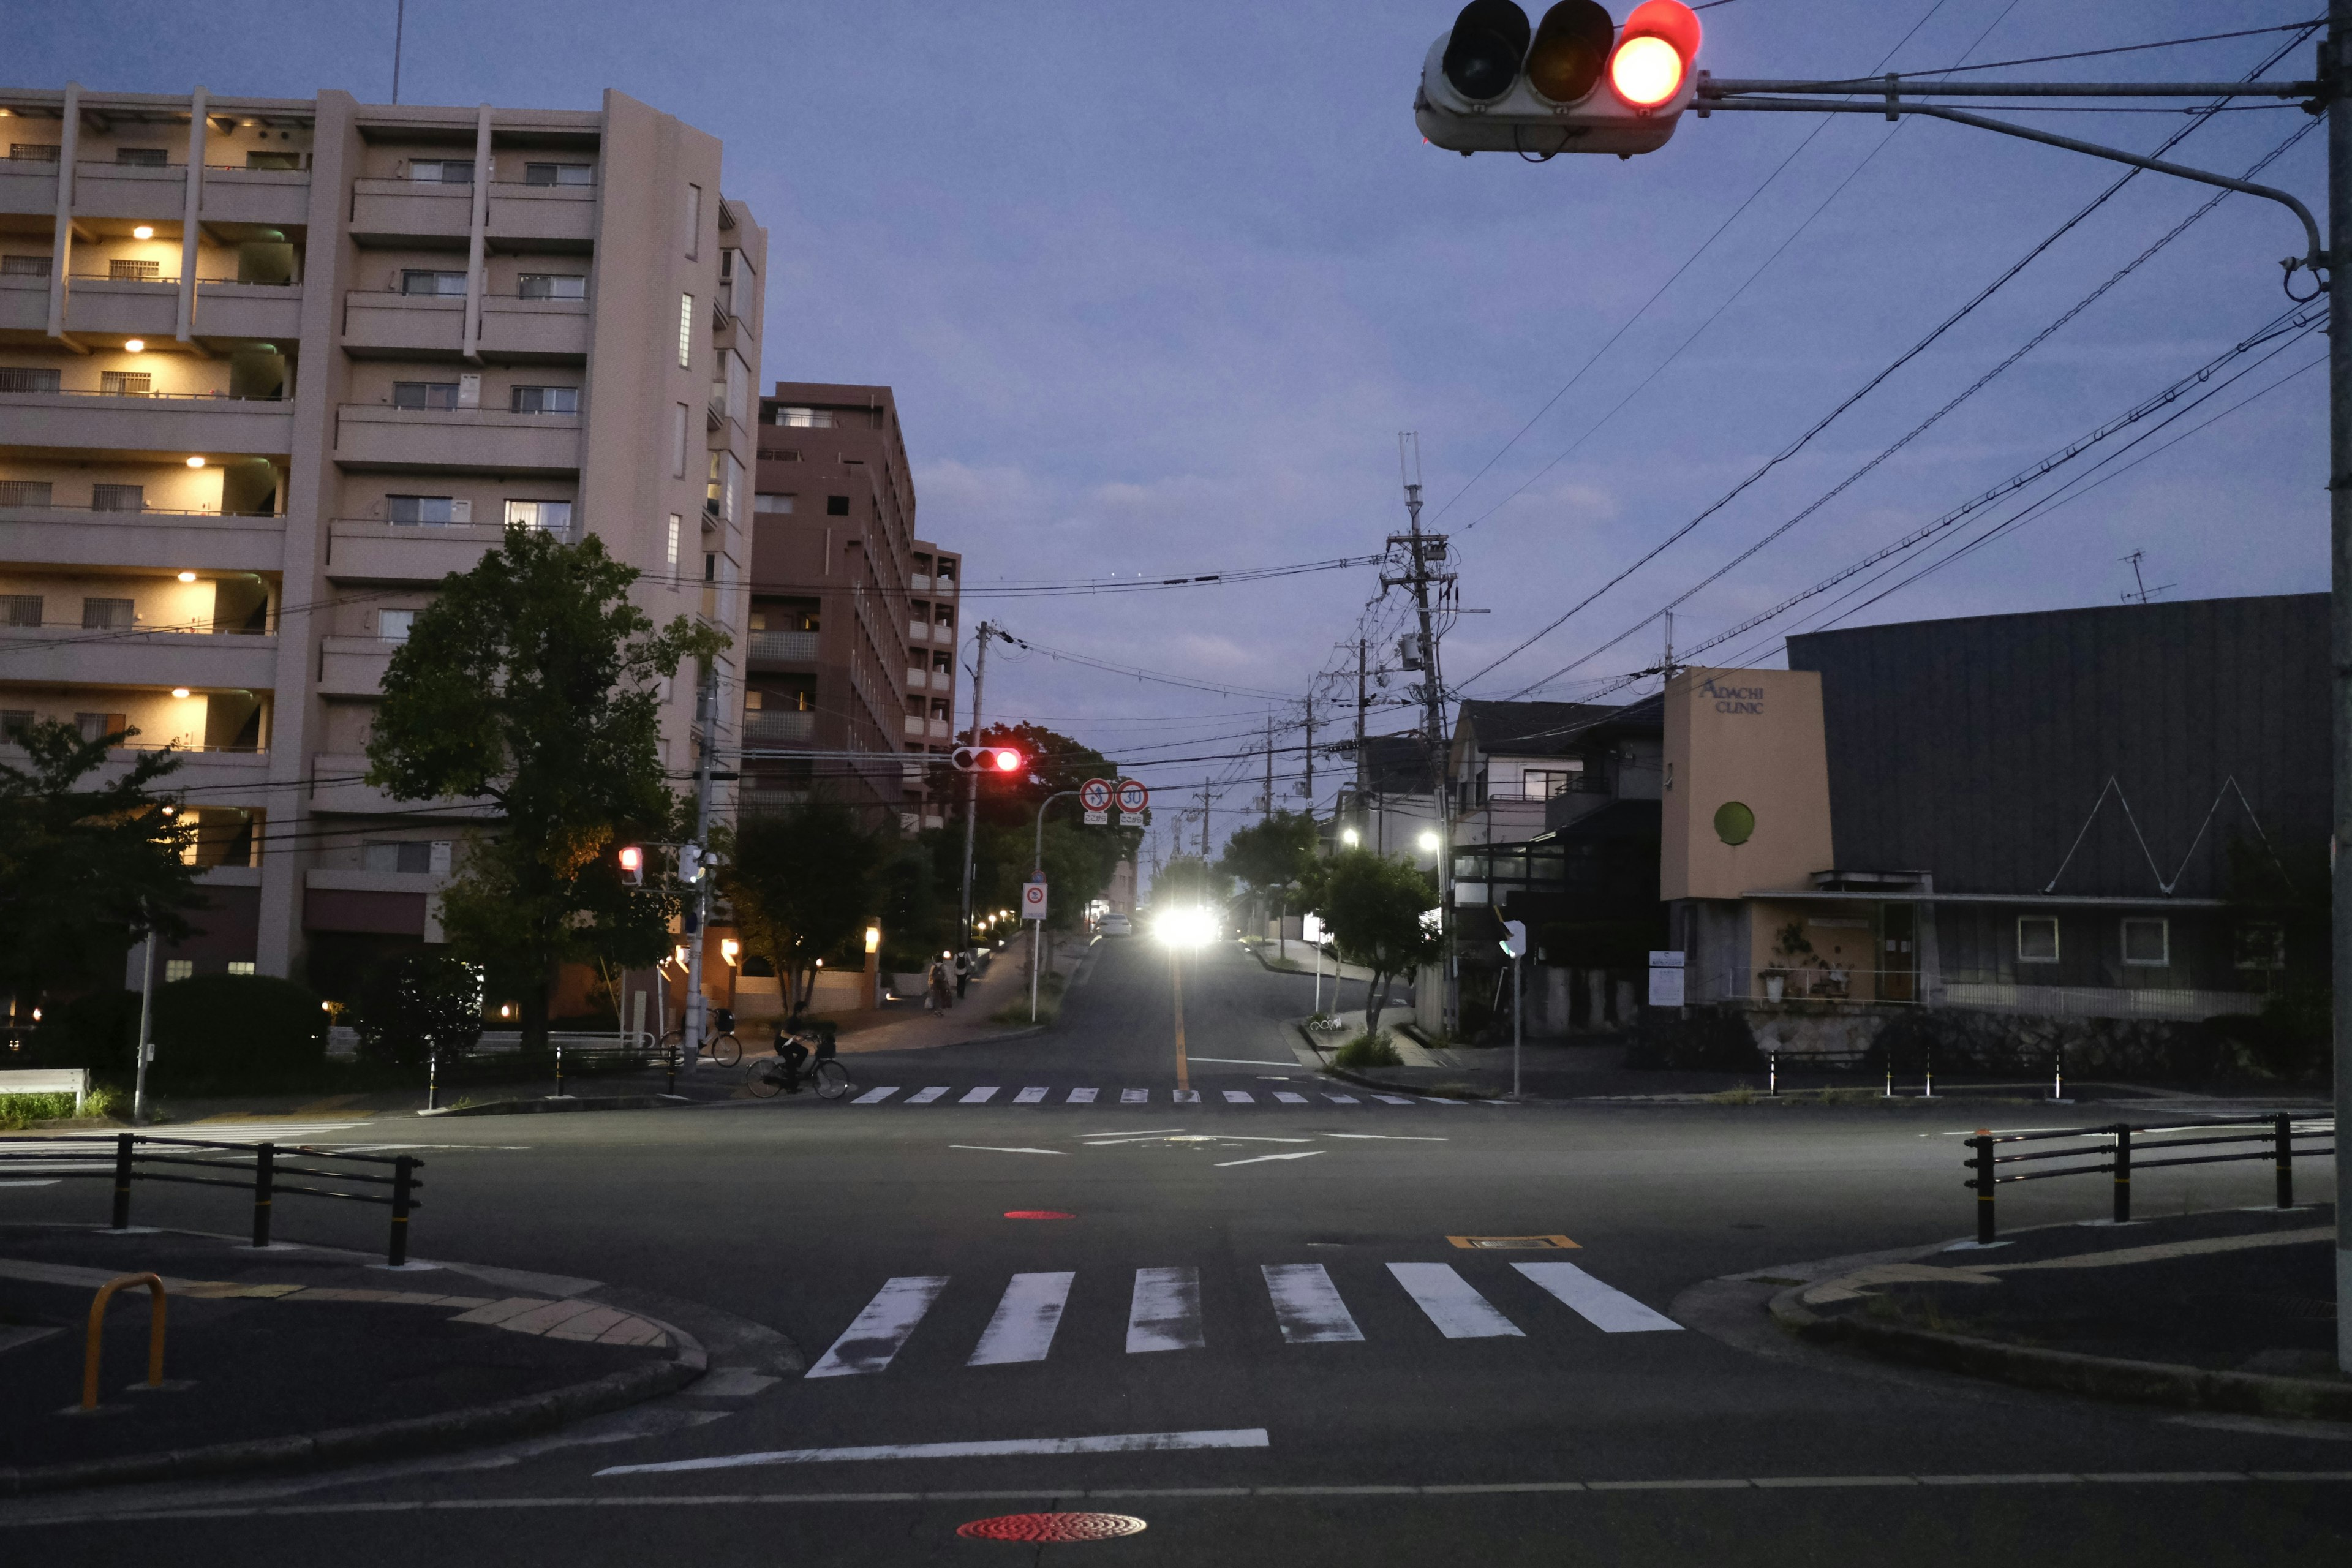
(1482, 54)
(1572, 50)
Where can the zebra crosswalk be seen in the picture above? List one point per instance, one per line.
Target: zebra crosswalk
(1165, 1312)
(1043, 1094)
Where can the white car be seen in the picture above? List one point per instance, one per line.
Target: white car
(1116, 925)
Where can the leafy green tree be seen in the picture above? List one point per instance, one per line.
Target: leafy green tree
(533, 682)
(1273, 858)
(1374, 907)
(85, 870)
(1079, 860)
(422, 1004)
(804, 882)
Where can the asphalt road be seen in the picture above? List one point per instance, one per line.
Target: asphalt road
(1276, 1284)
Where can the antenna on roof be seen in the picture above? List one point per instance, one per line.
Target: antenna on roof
(2144, 592)
(399, 27)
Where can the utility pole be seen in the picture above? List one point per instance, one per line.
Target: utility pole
(705, 707)
(2335, 68)
(1425, 559)
(1267, 805)
(1666, 665)
(971, 783)
(1310, 754)
(1204, 819)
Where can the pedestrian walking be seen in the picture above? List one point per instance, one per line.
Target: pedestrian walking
(941, 998)
(962, 970)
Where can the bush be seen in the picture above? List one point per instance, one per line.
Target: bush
(1368, 1050)
(245, 1031)
(18, 1112)
(98, 1031)
(408, 1005)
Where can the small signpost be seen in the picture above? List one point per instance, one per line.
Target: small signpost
(1514, 945)
(1665, 980)
(1132, 798)
(1033, 900)
(1094, 796)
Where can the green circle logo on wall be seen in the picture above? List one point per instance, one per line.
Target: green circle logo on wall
(1734, 823)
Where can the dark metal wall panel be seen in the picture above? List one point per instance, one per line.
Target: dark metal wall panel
(1978, 749)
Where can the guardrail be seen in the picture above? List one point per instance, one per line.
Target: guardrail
(2125, 1152)
(122, 1156)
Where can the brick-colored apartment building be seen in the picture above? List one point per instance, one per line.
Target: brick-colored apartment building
(270, 368)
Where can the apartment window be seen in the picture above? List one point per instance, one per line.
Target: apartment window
(127, 269)
(836, 506)
(711, 568)
(693, 219)
(107, 615)
(14, 721)
(241, 966)
(424, 395)
(20, 609)
(669, 552)
(387, 856)
(117, 497)
(393, 626)
(2262, 945)
(24, 266)
(553, 516)
(428, 511)
(21, 378)
(178, 969)
(1542, 783)
(273, 160)
(24, 492)
(677, 441)
(425, 280)
(2037, 939)
(142, 157)
(126, 382)
(544, 400)
(686, 332)
(557, 174)
(766, 502)
(35, 151)
(442, 171)
(803, 418)
(947, 572)
(723, 491)
(96, 727)
(2147, 944)
(552, 286)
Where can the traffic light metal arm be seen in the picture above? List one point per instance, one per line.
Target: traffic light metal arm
(1736, 94)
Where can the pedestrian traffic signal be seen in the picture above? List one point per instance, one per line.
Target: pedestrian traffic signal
(986, 760)
(633, 866)
(1576, 82)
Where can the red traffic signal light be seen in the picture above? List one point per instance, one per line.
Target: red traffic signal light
(1495, 85)
(1007, 760)
(633, 866)
(987, 759)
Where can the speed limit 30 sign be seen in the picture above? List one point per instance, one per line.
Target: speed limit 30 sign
(1132, 797)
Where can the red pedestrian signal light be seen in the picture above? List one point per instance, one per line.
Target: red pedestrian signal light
(633, 866)
(1493, 84)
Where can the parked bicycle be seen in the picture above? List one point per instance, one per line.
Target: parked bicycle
(720, 1044)
(784, 1072)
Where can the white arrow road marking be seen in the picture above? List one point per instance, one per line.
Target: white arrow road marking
(1233, 1137)
(1391, 1137)
(993, 1148)
(1026, 1316)
(1262, 1159)
(874, 1337)
(1605, 1307)
(1128, 1443)
(1125, 1133)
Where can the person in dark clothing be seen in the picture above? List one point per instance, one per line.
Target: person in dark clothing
(962, 970)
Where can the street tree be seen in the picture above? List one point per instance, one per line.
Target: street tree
(86, 869)
(1380, 912)
(804, 882)
(1274, 856)
(534, 684)
(1079, 861)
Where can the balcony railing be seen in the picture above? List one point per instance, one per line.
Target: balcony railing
(789, 727)
(783, 647)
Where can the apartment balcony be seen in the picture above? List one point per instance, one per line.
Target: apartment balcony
(781, 650)
(258, 311)
(69, 655)
(390, 212)
(919, 631)
(270, 198)
(77, 536)
(353, 667)
(138, 192)
(338, 783)
(368, 550)
(524, 214)
(787, 727)
(375, 436)
(28, 189)
(214, 775)
(135, 309)
(24, 301)
(526, 331)
(381, 322)
(915, 726)
(93, 421)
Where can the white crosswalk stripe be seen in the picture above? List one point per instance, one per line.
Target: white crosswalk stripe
(1452, 1302)
(876, 1336)
(1165, 1312)
(1342, 1098)
(1026, 1316)
(989, 1094)
(1188, 1097)
(1031, 1095)
(1135, 1097)
(1308, 1305)
(875, 1096)
(1605, 1307)
(1393, 1100)
(977, 1096)
(925, 1095)
(1080, 1097)
(1239, 1097)
(1287, 1097)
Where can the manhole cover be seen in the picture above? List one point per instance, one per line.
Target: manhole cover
(1512, 1243)
(1037, 1214)
(1052, 1527)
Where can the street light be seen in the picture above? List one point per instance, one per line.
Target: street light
(873, 940)
(1351, 837)
(1429, 842)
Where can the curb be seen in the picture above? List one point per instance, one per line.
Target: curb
(2067, 1371)
(421, 1434)
(1424, 1091)
(568, 1102)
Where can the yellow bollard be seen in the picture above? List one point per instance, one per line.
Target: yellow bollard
(97, 1330)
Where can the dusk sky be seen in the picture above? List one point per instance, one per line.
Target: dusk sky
(1158, 286)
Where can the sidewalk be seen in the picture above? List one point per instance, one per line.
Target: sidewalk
(908, 1026)
(296, 1356)
(2226, 1310)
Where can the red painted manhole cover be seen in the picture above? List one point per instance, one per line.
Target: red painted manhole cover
(1039, 1214)
(1052, 1527)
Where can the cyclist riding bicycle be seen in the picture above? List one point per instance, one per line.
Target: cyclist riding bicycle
(792, 1050)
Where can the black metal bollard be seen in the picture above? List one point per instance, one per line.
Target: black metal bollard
(2282, 1132)
(1983, 1183)
(558, 1069)
(432, 1077)
(2057, 1072)
(264, 1187)
(2123, 1173)
(673, 1069)
(1928, 1069)
(122, 1156)
(403, 1182)
(1772, 1073)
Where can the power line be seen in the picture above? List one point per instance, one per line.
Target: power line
(2130, 49)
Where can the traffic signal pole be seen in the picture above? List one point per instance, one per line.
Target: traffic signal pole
(972, 784)
(706, 706)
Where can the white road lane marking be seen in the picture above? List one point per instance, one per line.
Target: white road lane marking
(1308, 1305)
(1393, 1100)
(1126, 1442)
(977, 1096)
(875, 1336)
(1188, 1097)
(1287, 1097)
(1125, 1135)
(1605, 1307)
(1165, 1312)
(1134, 1097)
(993, 1148)
(1391, 1137)
(925, 1095)
(1031, 1095)
(1080, 1097)
(1262, 1159)
(1238, 1061)
(875, 1096)
(1342, 1098)
(1026, 1316)
(1240, 1097)
(1453, 1303)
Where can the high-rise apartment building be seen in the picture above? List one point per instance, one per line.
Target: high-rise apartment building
(270, 368)
(854, 619)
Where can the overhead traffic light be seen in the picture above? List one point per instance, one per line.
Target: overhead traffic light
(633, 866)
(986, 760)
(1576, 82)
